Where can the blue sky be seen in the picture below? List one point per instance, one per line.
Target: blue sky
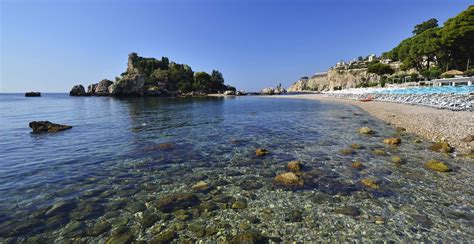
(50, 45)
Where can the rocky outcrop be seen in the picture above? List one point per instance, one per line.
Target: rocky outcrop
(33, 94)
(77, 90)
(334, 79)
(130, 85)
(91, 89)
(46, 126)
(102, 88)
(268, 91)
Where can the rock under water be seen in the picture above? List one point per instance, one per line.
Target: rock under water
(46, 126)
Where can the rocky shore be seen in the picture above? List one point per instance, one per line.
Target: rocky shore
(455, 127)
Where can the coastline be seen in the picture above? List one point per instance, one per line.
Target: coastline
(430, 123)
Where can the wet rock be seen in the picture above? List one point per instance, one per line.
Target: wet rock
(422, 220)
(468, 138)
(57, 220)
(221, 182)
(60, 207)
(46, 126)
(294, 216)
(348, 210)
(379, 152)
(208, 206)
(259, 152)
(120, 221)
(357, 165)
(392, 141)
(124, 238)
(400, 129)
(199, 229)
(437, 166)
(102, 88)
(134, 207)
(250, 184)
(356, 146)
(200, 185)
(397, 160)
(233, 173)
(240, 203)
(442, 147)
(249, 237)
(224, 199)
(88, 211)
(289, 179)
(369, 183)
(165, 237)
(99, 228)
(270, 173)
(182, 215)
(346, 151)
(320, 198)
(366, 130)
(177, 201)
(77, 90)
(148, 219)
(74, 229)
(379, 220)
(166, 146)
(294, 166)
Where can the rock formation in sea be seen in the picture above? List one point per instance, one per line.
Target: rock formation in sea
(77, 90)
(33, 94)
(156, 77)
(46, 126)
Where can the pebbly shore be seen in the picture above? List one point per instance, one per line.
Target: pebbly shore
(429, 122)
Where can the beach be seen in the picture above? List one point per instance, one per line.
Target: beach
(431, 123)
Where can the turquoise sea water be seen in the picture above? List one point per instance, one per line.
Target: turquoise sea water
(431, 90)
(106, 178)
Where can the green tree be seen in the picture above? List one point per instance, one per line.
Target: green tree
(431, 23)
(457, 37)
(380, 69)
(217, 81)
(202, 81)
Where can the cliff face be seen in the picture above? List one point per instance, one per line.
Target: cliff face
(334, 79)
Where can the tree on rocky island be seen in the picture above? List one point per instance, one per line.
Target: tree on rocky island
(380, 69)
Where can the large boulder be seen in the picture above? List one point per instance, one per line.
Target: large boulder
(229, 92)
(46, 126)
(130, 85)
(91, 89)
(77, 90)
(268, 91)
(102, 88)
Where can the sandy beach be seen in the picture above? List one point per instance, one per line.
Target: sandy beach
(430, 123)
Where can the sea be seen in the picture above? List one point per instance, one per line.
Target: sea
(184, 170)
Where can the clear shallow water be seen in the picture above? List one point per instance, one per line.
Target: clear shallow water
(104, 179)
(430, 90)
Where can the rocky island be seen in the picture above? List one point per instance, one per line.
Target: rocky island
(154, 77)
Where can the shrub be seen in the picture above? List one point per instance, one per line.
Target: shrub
(380, 69)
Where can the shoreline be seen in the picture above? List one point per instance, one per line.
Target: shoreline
(430, 123)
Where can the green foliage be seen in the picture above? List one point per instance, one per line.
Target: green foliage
(470, 72)
(176, 77)
(431, 73)
(449, 47)
(380, 69)
(367, 84)
(429, 24)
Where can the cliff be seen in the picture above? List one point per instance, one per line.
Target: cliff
(334, 79)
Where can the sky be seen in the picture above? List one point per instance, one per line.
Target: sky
(51, 45)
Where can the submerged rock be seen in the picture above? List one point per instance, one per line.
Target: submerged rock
(348, 210)
(200, 185)
(249, 237)
(356, 146)
(289, 179)
(240, 203)
(346, 151)
(468, 138)
(46, 126)
(437, 166)
(357, 165)
(379, 152)
(77, 90)
(397, 160)
(366, 130)
(261, 152)
(442, 147)
(171, 203)
(392, 141)
(295, 166)
(369, 183)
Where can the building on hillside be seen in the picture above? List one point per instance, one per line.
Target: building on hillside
(371, 57)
